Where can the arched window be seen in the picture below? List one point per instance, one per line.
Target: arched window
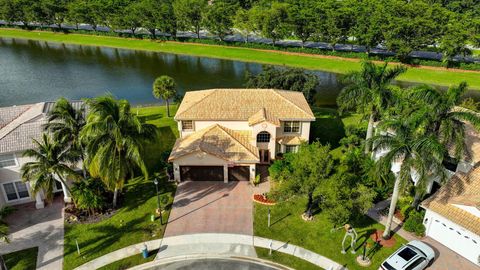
(263, 137)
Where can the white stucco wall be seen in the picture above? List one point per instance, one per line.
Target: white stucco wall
(199, 125)
(453, 236)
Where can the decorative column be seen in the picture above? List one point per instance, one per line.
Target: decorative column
(66, 194)
(225, 173)
(39, 201)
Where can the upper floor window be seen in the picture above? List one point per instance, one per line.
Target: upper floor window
(187, 125)
(16, 190)
(291, 127)
(263, 137)
(7, 160)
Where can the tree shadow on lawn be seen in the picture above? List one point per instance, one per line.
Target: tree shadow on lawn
(109, 234)
(328, 127)
(150, 117)
(153, 151)
(139, 191)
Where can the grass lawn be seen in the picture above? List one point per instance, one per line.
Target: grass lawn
(285, 259)
(312, 62)
(287, 225)
(22, 260)
(130, 261)
(329, 127)
(131, 224)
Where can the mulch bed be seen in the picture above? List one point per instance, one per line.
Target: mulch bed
(262, 199)
(377, 236)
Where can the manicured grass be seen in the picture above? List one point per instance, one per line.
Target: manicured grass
(285, 259)
(130, 261)
(312, 62)
(22, 260)
(329, 126)
(129, 225)
(168, 132)
(287, 225)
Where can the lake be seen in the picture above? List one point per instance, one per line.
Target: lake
(35, 71)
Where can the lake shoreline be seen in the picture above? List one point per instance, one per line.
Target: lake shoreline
(437, 76)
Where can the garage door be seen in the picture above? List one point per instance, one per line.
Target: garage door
(450, 235)
(201, 173)
(239, 173)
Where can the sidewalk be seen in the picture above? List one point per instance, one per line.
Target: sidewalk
(196, 246)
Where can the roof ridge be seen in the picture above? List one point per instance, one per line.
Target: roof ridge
(229, 131)
(276, 91)
(26, 109)
(22, 119)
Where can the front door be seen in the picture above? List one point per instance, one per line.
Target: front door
(264, 156)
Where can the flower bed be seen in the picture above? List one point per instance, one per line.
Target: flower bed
(262, 199)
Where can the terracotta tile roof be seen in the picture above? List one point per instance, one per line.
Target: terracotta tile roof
(241, 104)
(263, 116)
(460, 189)
(218, 141)
(290, 140)
(19, 125)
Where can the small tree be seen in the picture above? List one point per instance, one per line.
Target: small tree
(164, 88)
(218, 19)
(303, 172)
(88, 195)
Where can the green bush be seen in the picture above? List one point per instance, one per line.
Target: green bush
(414, 223)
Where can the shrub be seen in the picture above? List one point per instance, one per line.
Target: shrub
(256, 181)
(414, 223)
(88, 195)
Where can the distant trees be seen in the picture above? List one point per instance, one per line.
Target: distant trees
(402, 26)
(293, 79)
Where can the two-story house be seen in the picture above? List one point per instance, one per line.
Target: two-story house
(19, 125)
(225, 133)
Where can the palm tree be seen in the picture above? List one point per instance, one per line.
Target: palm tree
(114, 137)
(370, 91)
(409, 156)
(441, 116)
(50, 164)
(164, 88)
(65, 123)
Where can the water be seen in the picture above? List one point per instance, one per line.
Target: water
(35, 71)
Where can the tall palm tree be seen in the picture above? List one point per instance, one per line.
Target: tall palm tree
(65, 123)
(51, 162)
(369, 90)
(410, 156)
(164, 88)
(114, 137)
(441, 116)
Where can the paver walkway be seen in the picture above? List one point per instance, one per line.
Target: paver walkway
(42, 228)
(445, 258)
(207, 239)
(211, 207)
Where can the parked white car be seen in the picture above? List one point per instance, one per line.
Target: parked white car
(415, 255)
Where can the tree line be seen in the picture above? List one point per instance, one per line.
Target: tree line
(399, 25)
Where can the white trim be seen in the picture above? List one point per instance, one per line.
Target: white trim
(14, 158)
(16, 191)
(292, 133)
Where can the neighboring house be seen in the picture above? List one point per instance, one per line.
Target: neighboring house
(19, 125)
(469, 158)
(453, 215)
(225, 133)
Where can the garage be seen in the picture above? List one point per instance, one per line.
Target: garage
(239, 173)
(201, 173)
(453, 236)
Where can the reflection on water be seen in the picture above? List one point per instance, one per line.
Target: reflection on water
(34, 71)
(213, 264)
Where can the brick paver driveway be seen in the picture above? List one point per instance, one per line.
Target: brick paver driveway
(211, 207)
